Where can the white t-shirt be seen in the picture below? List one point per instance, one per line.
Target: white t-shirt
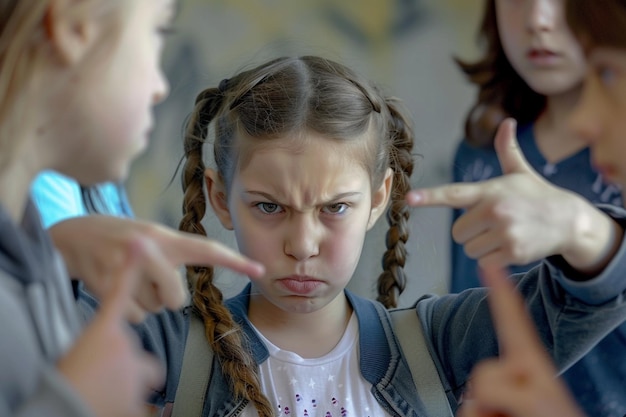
(329, 386)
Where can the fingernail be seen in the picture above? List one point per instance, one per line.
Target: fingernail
(259, 269)
(414, 197)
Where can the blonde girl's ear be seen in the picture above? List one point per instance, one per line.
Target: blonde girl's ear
(380, 199)
(218, 197)
(70, 30)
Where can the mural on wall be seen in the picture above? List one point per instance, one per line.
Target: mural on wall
(404, 45)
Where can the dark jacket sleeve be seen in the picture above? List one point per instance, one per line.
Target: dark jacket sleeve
(571, 317)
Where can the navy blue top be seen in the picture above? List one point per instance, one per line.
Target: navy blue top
(598, 381)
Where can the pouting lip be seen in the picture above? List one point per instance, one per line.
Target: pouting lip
(540, 51)
(300, 278)
(300, 285)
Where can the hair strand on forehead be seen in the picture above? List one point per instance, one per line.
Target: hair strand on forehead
(598, 22)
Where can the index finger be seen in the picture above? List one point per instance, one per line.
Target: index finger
(189, 249)
(517, 335)
(456, 195)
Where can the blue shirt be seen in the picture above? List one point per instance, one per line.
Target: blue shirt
(598, 380)
(59, 198)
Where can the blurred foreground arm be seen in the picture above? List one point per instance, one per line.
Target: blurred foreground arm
(521, 382)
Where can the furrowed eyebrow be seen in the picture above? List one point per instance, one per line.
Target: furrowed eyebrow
(340, 196)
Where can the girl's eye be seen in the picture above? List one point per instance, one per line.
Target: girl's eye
(338, 208)
(268, 208)
(606, 74)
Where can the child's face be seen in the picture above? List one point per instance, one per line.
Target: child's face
(116, 105)
(304, 215)
(600, 117)
(539, 45)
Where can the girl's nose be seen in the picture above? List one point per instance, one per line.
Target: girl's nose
(162, 88)
(302, 239)
(543, 14)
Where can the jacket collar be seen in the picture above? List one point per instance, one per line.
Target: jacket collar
(376, 353)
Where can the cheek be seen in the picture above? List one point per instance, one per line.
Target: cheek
(343, 247)
(509, 31)
(253, 239)
(577, 59)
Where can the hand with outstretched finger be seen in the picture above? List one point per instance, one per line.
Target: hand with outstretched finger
(522, 382)
(520, 217)
(106, 366)
(94, 248)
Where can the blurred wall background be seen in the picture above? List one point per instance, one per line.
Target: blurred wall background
(407, 46)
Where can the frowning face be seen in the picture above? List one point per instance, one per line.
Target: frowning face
(304, 214)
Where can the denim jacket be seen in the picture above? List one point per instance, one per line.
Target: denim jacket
(571, 317)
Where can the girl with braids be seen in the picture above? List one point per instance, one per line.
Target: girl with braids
(308, 156)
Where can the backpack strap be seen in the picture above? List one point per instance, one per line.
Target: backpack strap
(410, 334)
(195, 372)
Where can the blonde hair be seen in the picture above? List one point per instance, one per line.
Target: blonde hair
(23, 54)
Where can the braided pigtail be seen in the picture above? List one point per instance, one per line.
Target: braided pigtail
(392, 281)
(222, 332)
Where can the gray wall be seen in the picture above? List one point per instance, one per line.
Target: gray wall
(405, 45)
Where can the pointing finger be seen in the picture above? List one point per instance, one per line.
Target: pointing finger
(190, 249)
(457, 195)
(516, 333)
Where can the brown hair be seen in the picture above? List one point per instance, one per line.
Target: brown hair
(598, 22)
(502, 92)
(282, 97)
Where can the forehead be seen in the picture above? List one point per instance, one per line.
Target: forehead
(355, 150)
(306, 170)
